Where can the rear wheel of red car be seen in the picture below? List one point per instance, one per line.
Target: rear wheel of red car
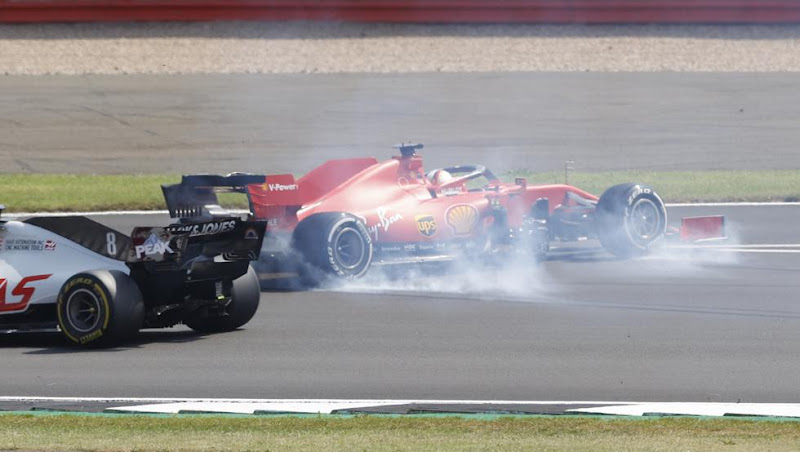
(333, 244)
(630, 219)
(100, 308)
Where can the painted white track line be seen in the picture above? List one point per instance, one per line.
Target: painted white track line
(164, 212)
(742, 250)
(237, 400)
(328, 406)
(764, 245)
(302, 407)
(787, 248)
(252, 406)
(332, 406)
(733, 204)
(697, 409)
(85, 214)
(101, 213)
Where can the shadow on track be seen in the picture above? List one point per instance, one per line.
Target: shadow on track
(55, 343)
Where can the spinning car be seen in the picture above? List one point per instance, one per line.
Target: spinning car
(99, 286)
(347, 215)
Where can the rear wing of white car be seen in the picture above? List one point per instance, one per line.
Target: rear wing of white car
(230, 237)
(196, 195)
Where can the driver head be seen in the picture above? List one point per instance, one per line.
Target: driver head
(439, 177)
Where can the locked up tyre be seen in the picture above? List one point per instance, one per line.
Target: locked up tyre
(630, 219)
(99, 308)
(332, 244)
(245, 296)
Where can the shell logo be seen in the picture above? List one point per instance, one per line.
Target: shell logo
(462, 218)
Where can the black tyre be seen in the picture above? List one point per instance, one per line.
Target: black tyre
(333, 244)
(538, 229)
(630, 219)
(100, 308)
(530, 241)
(245, 295)
(535, 242)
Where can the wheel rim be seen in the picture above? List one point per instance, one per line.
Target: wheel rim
(83, 310)
(644, 221)
(349, 248)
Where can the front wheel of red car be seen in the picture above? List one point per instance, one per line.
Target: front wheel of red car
(333, 244)
(630, 219)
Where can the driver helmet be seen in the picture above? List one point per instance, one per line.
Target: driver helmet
(439, 177)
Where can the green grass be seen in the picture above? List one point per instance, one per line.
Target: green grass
(690, 186)
(68, 192)
(81, 192)
(376, 433)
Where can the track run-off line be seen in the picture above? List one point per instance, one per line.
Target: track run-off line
(243, 211)
(745, 248)
(131, 405)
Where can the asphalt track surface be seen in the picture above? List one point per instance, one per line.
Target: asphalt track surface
(683, 325)
(290, 123)
(719, 326)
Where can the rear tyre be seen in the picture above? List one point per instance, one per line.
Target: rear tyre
(630, 219)
(245, 296)
(333, 244)
(100, 308)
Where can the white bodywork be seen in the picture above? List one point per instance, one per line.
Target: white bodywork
(29, 251)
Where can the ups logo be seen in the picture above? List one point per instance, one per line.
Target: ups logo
(426, 225)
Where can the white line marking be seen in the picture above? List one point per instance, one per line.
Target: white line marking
(86, 214)
(745, 248)
(102, 213)
(250, 406)
(697, 409)
(733, 204)
(330, 407)
(325, 406)
(236, 400)
(752, 245)
(740, 250)
(322, 407)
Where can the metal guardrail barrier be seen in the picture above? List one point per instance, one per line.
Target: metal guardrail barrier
(416, 11)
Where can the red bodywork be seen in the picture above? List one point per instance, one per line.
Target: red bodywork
(398, 203)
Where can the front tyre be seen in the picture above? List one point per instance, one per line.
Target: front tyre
(630, 219)
(245, 296)
(100, 308)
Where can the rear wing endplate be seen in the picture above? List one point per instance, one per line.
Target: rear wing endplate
(196, 195)
(702, 229)
(229, 237)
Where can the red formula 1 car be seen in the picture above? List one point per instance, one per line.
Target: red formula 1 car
(346, 215)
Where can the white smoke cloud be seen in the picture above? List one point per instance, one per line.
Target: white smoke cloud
(688, 258)
(500, 277)
(517, 278)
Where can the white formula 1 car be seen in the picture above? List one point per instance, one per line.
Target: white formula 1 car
(99, 286)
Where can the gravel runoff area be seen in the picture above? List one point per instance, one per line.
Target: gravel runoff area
(304, 47)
